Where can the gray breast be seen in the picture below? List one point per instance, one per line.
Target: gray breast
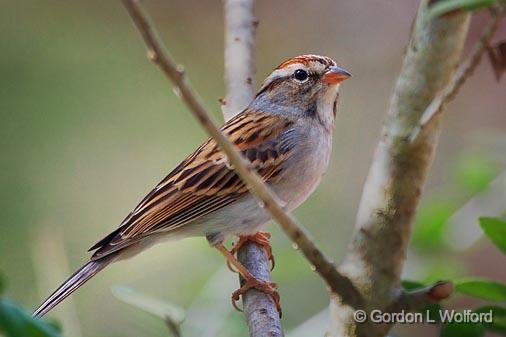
(306, 167)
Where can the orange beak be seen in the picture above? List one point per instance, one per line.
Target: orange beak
(335, 75)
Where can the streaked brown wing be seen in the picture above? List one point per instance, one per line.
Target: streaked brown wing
(204, 182)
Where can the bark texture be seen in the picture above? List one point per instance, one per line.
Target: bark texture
(262, 317)
(391, 194)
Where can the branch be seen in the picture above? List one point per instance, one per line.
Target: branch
(392, 190)
(173, 327)
(465, 71)
(338, 283)
(240, 29)
(420, 298)
(261, 314)
(262, 317)
(497, 57)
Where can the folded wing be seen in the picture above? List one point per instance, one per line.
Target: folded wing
(205, 182)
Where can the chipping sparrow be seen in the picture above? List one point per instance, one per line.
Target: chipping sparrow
(286, 134)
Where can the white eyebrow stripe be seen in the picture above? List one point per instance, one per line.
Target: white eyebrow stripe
(311, 66)
(281, 73)
(288, 70)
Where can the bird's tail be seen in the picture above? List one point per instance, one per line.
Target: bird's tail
(80, 277)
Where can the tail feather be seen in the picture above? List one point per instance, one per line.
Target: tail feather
(80, 277)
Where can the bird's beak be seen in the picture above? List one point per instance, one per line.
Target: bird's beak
(335, 75)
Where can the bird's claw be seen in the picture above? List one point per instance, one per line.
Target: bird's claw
(260, 238)
(266, 287)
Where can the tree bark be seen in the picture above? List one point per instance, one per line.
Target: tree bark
(376, 255)
(240, 31)
(262, 317)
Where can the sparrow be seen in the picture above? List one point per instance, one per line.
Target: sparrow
(286, 135)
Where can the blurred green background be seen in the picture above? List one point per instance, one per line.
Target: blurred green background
(88, 126)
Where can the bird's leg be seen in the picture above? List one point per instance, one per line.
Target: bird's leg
(250, 281)
(260, 238)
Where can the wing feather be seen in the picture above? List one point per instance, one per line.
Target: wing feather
(205, 182)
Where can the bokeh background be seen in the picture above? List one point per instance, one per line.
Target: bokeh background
(88, 126)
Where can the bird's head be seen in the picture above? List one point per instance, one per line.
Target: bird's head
(303, 85)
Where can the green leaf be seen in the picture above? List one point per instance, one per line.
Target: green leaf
(411, 285)
(15, 322)
(462, 330)
(495, 229)
(156, 307)
(481, 288)
(445, 6)
(498, 323)
(432, 311)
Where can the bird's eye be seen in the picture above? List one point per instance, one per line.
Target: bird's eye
(300, 75)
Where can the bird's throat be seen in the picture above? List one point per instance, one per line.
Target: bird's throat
(326, 107)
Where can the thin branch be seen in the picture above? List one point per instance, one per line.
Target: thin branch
(338, 283)
(467, 68)
(173, 327)
(420, 298)
(261, 314)
(497, 58)
(240, 29)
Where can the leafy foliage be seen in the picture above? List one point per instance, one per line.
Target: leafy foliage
(455, 329)
(409, 285)
(499, 318)
(495, 229)
(16, 322)
(482, 288)
(445, 6)
(459, 329)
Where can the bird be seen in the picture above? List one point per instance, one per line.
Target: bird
(285, 134)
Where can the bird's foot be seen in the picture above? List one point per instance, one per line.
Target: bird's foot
(250, 281)
(260, 238)
(266, 287)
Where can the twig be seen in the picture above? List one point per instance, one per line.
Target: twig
(173, 327)
(420, 298)
(261, 314)
(497, 57)
(240, 29)
(338, 283)
(467, 68)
